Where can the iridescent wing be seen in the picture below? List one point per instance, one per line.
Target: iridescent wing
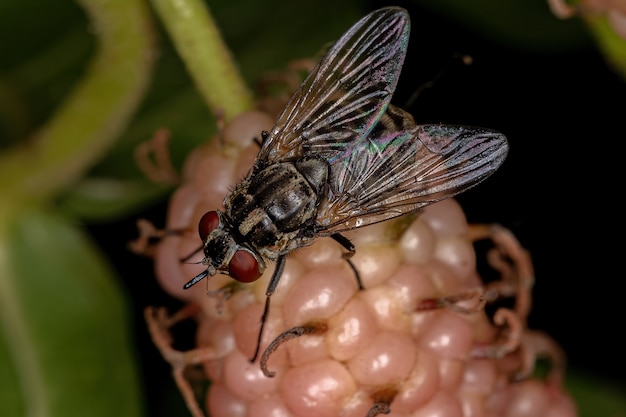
(381, 164)
(346, 93)
(402, 170)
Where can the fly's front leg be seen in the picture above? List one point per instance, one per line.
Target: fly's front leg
(264, 135)
(271, 287)
(349, 246)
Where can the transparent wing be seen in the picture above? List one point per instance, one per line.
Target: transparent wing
(401, 171)
(345, 94)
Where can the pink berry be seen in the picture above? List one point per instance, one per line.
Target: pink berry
(415, 342)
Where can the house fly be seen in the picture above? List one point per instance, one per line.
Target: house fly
(339, 157)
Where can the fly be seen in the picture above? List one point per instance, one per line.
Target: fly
(339, 157)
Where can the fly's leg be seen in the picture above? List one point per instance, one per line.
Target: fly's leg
(349, 246)
(278, 272)
(309, 328)
(264, 135)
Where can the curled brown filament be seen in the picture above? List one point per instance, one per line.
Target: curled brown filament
(513, 333)
(378, 409)
(159, 323)
(150, 236)
(382, 401)
(153, 159)
(512, 262)
(294, 332)
(536, 345)
(475, 297)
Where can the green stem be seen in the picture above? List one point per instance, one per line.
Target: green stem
(94, 114)
(209, 61)
(612, 46)
(78, 134)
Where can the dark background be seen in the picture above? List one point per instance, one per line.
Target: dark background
(563, 113)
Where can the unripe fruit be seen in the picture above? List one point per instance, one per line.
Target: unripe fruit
(416, 341)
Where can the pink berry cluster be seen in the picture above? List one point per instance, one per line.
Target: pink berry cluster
(416, 341)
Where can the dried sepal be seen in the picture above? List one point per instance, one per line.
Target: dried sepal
(153, 159)
(159, 324)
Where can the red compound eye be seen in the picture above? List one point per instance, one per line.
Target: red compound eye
(244, 267)
(208, 223)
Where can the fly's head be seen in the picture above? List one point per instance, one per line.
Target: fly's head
(223, 253)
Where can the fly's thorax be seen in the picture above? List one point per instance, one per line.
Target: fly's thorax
(315, 171)
(272, 208)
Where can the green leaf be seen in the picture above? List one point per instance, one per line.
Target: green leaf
(95, 198)
(199, 42)
(596, 396)
(94, 114)
(66, 339)
(173, 102)
(609, 42)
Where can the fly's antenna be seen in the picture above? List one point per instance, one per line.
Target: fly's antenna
(465, 60)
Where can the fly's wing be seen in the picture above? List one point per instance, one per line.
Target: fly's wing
(345, 94)
(400, 171)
